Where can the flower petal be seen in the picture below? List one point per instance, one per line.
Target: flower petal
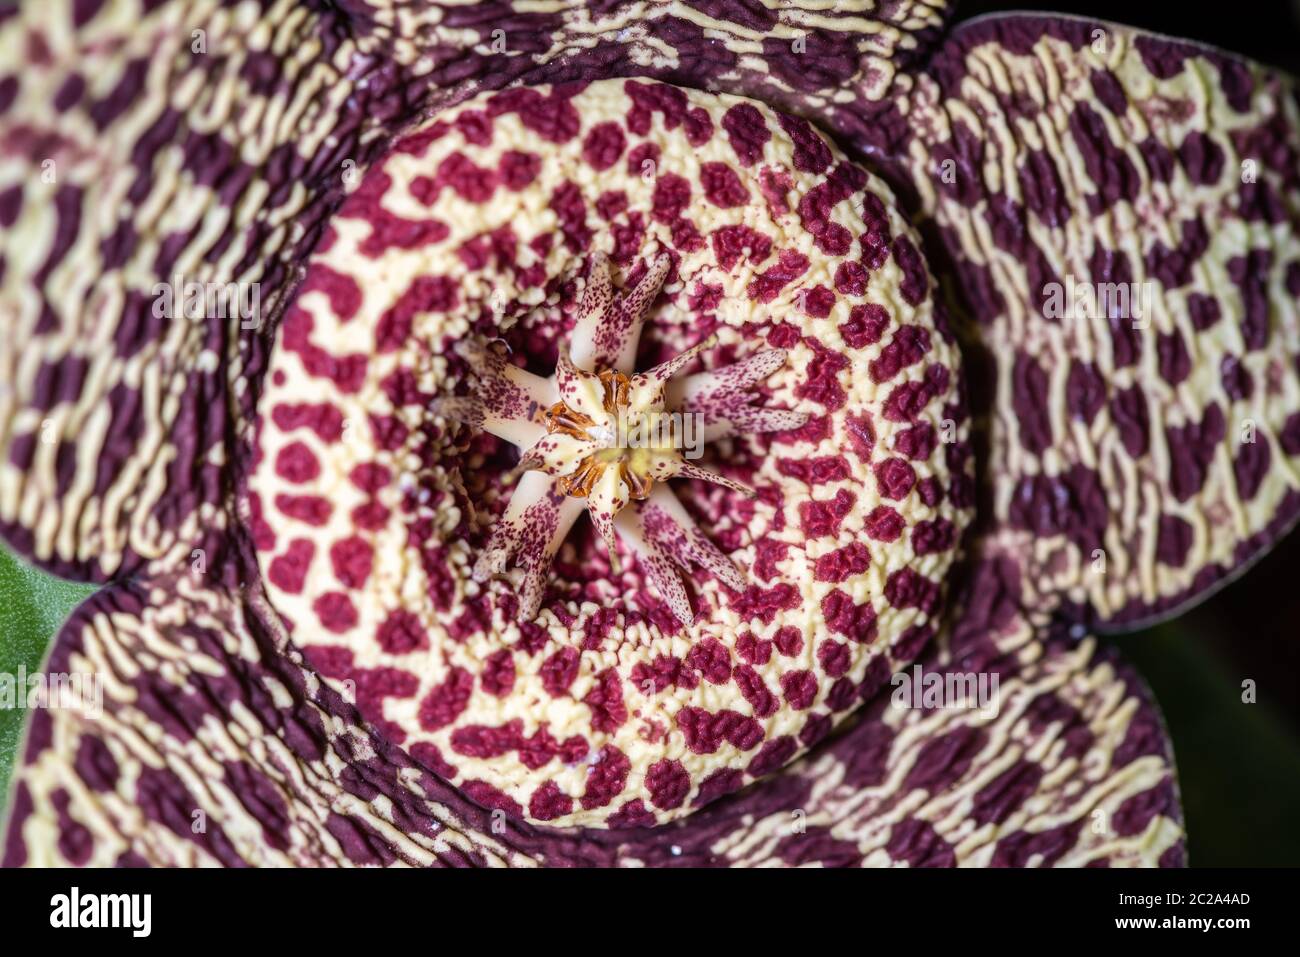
(149, 229)
(1123, 215)
(211, 743)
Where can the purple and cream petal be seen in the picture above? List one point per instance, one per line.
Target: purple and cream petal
(171, 168)
(198, 738)
(1122, 215)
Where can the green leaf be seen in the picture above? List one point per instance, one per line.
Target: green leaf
(33, 606)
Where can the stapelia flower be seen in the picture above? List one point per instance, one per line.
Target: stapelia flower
(443, 255)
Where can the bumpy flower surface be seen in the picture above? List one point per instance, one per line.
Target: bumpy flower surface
(1122, 215)
(292, 777)
(614, 695)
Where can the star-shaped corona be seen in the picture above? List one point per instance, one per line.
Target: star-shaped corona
(597, 434)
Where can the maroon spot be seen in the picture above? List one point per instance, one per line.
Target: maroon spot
(1029, 388)
(347, 372)
(834, 657)
(732, 243)
(1085, 391)
(1128, 410)
(1201, 157)
(705, 731)
(817, 301)
(862, 437)
(906, 401)
(1237, 382)
(820, 470)
(753, 650)
(1073, 504)
(517, 170)
(549, 802)
(370, 477)
(1041, 187)
(633, 813)
(711, 659)
(425, 294)
(351, 559)
(605, 699)
(342, 290)
(288, 571)
(1174, 362)
(821, 519)
(498, 677)
(551, 116)
(1191, 451)
(672, 194)
(823, 384)
(75, 841)
(446, 701)
(747, 132)
(484, 742)
(755, 691)
(765, 286)
(931, 537)
(943, 759)
(1204, 310)
(310, 509)
(915, 283)
(1250, 467)
(799, 688)
(568, 205)
(1106, 164)
(606, 779)
(335, 612)
(811, 154)
(1001, 797)
(559, 670)
(485, 795)
(908, 588)
(907, 347)
(643, 159)
(895, 478)
(845, 617)
(722, 187)
(1017, 849)
(604, 145)
(842, 563)
(321, 417)
(883, 524)
(1137, 812)
(95, 764)
(668, 784)
(401, 633)
(788, 641)
(764, 603)
(1290, 437)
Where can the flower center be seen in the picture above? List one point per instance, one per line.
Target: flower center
(629, 438)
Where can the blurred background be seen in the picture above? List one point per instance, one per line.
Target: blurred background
(1238, 764)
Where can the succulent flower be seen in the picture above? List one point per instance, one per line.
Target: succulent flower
(324, 328)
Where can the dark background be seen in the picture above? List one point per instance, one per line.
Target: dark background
(1238, 764)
